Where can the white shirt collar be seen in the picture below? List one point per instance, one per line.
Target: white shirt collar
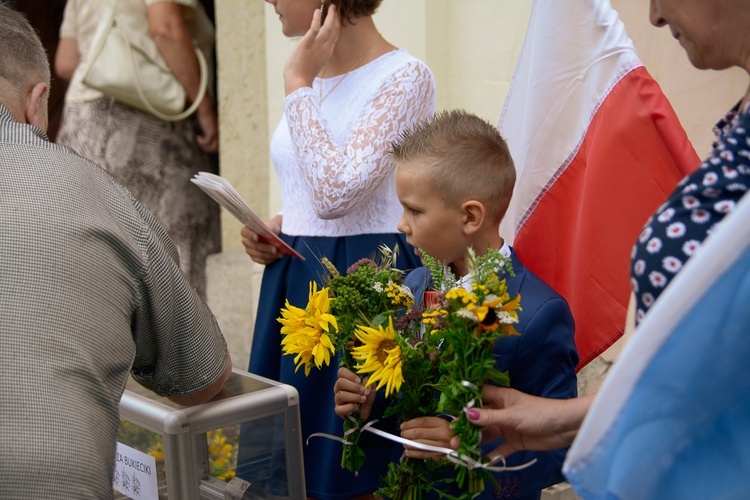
(505, 250)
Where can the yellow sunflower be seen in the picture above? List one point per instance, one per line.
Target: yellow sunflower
(512, 307)
(306, 331)
(379, 355)
(508, 314)
(497, 312)
(489, 304)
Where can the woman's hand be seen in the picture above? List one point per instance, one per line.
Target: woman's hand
(259, 251)
(433, 431)
(313, 51)
(527, 422)
(350, 393)
(173, 40)
(207, 135)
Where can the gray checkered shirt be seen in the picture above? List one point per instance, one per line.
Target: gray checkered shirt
(90, 285)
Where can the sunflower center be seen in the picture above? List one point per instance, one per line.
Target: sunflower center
(383, 348)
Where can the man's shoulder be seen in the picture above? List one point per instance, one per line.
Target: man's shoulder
(62, 174)
(23, 144)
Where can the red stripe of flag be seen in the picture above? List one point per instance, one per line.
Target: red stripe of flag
(579, 231)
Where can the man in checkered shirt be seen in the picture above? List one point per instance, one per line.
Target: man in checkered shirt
(90, 291)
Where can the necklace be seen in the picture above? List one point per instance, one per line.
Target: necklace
(355, 66)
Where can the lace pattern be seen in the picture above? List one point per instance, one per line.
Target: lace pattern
(335, 174)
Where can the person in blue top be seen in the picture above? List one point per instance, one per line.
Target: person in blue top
(454, 179)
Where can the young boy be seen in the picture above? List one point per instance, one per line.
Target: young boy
(455, 178)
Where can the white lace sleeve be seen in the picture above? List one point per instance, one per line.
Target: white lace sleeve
(341, 177)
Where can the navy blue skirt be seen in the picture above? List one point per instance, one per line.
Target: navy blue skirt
(288, 278)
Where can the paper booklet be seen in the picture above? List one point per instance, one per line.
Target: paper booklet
(225, 195)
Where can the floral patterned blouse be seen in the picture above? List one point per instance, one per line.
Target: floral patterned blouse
(676, 231)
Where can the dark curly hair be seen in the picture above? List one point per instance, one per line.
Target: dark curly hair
(352, 9)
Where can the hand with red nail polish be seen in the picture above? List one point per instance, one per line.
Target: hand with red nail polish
(527, 422)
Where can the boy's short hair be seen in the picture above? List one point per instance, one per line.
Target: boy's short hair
(469, 159)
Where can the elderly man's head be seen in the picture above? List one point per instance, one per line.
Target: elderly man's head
(24, 69)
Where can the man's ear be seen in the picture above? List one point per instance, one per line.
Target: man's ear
(36, 106)
(474, 214)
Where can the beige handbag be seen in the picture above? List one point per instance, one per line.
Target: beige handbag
(124, 63)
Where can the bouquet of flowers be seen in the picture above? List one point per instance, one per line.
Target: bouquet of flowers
(368, 295)
(432, 360)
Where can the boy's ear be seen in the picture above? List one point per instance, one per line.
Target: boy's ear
(474, 215)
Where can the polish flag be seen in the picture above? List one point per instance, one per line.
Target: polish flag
(597, 149)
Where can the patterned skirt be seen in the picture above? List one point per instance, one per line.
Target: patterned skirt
(155, 161)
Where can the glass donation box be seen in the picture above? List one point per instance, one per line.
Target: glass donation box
(244, 444)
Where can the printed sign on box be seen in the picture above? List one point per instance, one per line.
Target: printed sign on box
(135, 474)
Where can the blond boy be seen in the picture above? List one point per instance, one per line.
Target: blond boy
(454, 179)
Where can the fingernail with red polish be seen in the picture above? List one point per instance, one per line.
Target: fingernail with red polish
(472, 414)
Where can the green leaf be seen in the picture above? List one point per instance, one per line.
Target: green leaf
(380, 319)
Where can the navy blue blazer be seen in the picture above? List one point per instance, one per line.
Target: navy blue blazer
(541, 361)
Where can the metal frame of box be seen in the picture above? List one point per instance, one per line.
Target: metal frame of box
(245, 398)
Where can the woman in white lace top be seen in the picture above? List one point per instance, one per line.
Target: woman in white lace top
(349, 93)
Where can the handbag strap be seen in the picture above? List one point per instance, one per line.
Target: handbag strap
(198, 98)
